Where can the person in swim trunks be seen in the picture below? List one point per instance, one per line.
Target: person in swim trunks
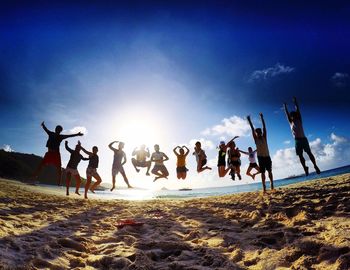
(301, 142)
(252, 162)
(201, 158)
(118, 162)
(265, 163)
(53, 156)
(181, 169)
(72, 167)
(159, 169)
(141, 158)
(91, 170)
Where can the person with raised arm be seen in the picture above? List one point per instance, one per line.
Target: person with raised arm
(301, 142)
(118, 162)
(264, 159)
(222, 170)
(252, 162)
(181, 155)
(201, 158)
(72, 167)
(159, 168)
(53, 156)
(141, 158)
(91, 170)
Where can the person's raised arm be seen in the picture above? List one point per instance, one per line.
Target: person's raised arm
(45, 128)
(286, 111)
(111, 147)
(251, 126)
(187, 150)
(296, 104)
(85, 151)
(243, 152)
(72, 135)
(174, 150)
(263, 124)
(67, 147)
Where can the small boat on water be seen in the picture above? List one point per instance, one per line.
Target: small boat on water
(185, 189)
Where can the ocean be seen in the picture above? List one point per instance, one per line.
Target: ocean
(144, 194)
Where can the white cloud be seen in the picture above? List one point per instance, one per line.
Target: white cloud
(340, 79)
(336, 153)
(287, 142)
(7, 148)
(78, 129)
(270, 72)
(233, 126)
(206, 144)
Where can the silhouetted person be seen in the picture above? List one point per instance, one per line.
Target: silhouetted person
(119, 160)
(181, 170)
(91, 170)
(141, 159)
(301, 142)
(201, 158)
(72, 167)
(159, 169)
(252, 162)
(53, 156)
(234, 161)
(222, 170)
(264, 159)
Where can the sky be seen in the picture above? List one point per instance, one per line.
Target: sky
(173, 73)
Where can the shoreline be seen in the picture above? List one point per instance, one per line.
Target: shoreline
(301, 226)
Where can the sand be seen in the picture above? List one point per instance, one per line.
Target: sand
(304, 226)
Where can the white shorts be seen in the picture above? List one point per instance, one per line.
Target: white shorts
(117, 169)
(91, 172)
(73, 172)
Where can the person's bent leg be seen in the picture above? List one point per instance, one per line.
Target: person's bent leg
(125, 179)
(77, 184)
(148, 163)
(98, 181)
(248, 172)
(134, 162)
(68, 177)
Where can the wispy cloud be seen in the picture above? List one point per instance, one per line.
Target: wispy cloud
(287, 142)
(233, 126)
(340, 79)
(7, 148)
(270, 72)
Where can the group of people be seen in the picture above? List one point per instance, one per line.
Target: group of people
(143, 159)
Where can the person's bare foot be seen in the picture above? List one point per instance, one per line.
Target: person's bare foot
(77, 192)
(137, 170)
(112, 188)
(147, 174)
(93, 191)
(85, 197)
(307, 171)
(318, 171)
(67, 193)
(130, 186)
(253, 176)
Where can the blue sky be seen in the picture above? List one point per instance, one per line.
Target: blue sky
(180, 69)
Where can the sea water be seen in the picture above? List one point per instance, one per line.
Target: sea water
(144, 194)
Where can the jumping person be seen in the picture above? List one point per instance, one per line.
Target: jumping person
(252, 162)
(91, 170)
(53, 156)
(265, 163)
(201, 158)
(159, 169)
(181, 169)
(71, 169)
(118, 162)
(301, 142)
(141, 158)
(234, 160)
(222, 170)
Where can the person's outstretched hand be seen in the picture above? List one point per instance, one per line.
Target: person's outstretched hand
(80, 134)
(42, 123)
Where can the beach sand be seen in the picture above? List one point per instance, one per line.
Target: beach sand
(303, 226)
